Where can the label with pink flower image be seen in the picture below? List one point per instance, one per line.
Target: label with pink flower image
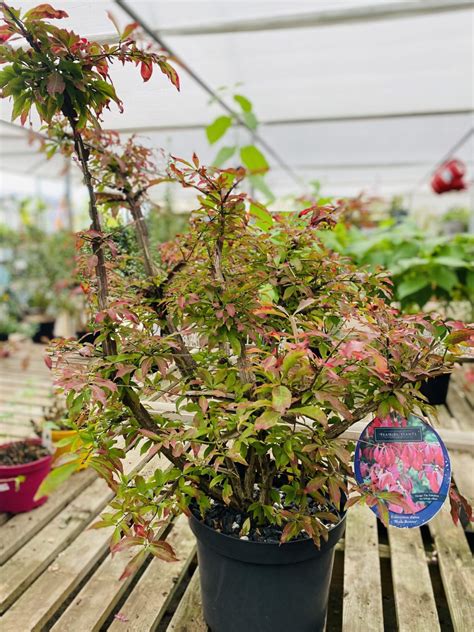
(405, 456)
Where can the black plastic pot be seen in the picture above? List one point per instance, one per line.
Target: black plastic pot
(262, 587)
(45, 331)
(436, 389)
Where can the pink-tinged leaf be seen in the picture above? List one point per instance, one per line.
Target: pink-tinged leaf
(352, 500)
(5, 33)
(230, 309)
(146, 70)
(43, 11)
(128, 542)
(170, 72)
(281, 398)
(460, 335)
(196, 161)
(55, 84)
(92, 262)
(267, 419)
(306, 302)
(99, 394)
(163, 551)
(145, 366)
(134, 564)
(203, 404)
(48, 361)
(148, 433)
(128, 30)
(315, 484)
(334, 492)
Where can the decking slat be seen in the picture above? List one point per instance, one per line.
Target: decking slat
(414, 598)
(29, 562)
(460, 408)
(188, 616)
(47, 594)
(23, 527)
(362, 607)
(95, 602)
(456, 566)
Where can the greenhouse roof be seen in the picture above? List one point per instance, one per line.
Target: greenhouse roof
(355, 94)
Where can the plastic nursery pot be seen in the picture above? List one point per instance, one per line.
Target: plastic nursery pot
(435, 389)
(56, 437)
(19, 498)
(268, 587)
(45, 331)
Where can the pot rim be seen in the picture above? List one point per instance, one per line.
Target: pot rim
(264, 552)
(31, 465)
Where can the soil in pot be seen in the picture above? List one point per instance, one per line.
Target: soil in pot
(255, 583)
(435, 389)
(23, 466)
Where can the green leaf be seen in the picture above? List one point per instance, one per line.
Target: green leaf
(290, 360)
(313, 412)
(445, 278)
(451, 262)
(56, 478)
(253, 159)
(267, 419)
(281, 398)
(250, 120)
(411, 285)
(244, 103)
(223, 155)
(263, 218)
(218, 128)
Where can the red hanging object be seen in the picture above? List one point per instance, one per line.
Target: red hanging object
(449, 177)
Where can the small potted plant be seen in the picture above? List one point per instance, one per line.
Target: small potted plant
(56, 420)
(23, 467)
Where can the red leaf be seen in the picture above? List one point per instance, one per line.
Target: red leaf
(5, 33)
(134, 564)
(230, 309)
(45, 11)
(128, 30)
(48, 361)
(146, 70)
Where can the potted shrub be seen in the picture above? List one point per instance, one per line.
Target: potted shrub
(23, 467)
(291, 345)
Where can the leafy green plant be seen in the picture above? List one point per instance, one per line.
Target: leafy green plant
(249, 155)
(422, 268)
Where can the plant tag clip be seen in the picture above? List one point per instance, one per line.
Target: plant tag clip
(407, 456)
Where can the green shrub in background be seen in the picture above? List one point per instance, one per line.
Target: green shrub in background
(423, 267)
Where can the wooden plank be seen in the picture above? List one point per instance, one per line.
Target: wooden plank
(160, 579)
(445, 419)
(46, 595)
(362, 606)
(188, 616)
(414, 598)
(456, 566)
(460, 408)
(23, 527)
(15, 431)
(97, 600)
(30, 561)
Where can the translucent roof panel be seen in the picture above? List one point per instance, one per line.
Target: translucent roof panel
(360, 103)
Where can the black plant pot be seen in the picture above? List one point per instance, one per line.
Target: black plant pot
(3, 336)
(436, 389)
(255, 586)
(45, 331)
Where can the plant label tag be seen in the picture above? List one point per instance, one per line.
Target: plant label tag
(4, 487)
(47, 439)
(406, 456)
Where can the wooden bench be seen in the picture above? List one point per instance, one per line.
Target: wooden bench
(56, 574)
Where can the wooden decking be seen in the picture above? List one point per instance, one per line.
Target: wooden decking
(56, 574)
